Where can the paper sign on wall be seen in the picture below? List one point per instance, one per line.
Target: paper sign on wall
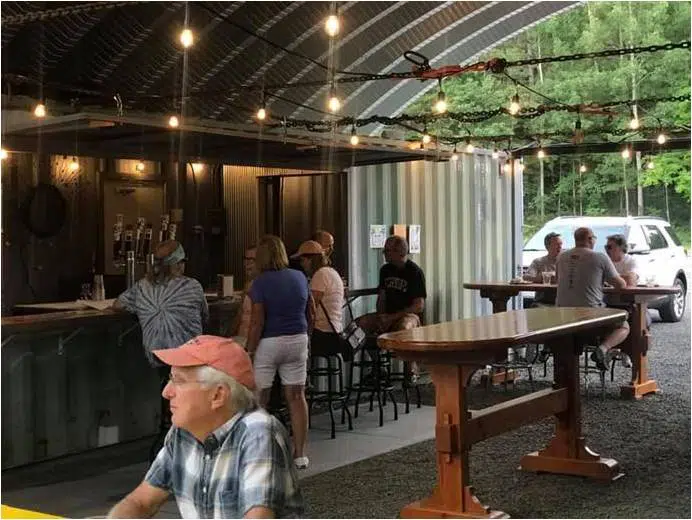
(378, 236)
(399, 230)
(414, 238)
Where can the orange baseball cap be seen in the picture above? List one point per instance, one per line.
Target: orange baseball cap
(223, 354)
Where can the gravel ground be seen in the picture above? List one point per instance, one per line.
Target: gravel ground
(650, 438)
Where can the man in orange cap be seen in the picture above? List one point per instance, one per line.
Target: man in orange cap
(224, 457)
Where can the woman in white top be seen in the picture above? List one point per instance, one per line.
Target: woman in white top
(327, 290)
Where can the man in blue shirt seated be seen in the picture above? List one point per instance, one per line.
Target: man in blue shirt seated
(224, 457)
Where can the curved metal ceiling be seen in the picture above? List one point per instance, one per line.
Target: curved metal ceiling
(92, 50)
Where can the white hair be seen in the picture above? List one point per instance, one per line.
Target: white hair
(242, 398)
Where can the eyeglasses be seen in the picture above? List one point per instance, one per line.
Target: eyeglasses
(592, 237)
(176, 381)
(609, 247)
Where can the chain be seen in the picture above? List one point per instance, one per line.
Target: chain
(57, 12)
(600, 54)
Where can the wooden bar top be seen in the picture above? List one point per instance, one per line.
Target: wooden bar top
(519, 287)
(501, 330)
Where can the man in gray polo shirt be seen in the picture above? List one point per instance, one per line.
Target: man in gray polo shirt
(553, 244)
(581, 273)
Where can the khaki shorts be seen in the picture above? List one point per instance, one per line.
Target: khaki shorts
(286, 354)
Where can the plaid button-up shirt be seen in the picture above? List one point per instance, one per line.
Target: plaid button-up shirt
(246, 462)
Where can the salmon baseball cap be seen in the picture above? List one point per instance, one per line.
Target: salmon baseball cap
(223, 354)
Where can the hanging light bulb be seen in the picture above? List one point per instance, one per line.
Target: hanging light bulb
(40, 110)
(541, 153)
(661, 139)
(578, 133)
(496, 154)
(334, 103)
(455, 155)
(582, 168)
(514, 105)
(650, 165)
(74, 165)
(140, 166)
(625, 153)
(173, 122)
(469, 147)
(354, 136)
(634, 122)
(426, 136)
(441, 103)
(332, 25)
(507, 167)
(3, 154)
(187, 38)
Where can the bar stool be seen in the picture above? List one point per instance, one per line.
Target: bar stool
(405, 378)
(331, 395)
(375, 377)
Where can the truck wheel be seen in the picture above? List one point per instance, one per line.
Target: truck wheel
(674, 308)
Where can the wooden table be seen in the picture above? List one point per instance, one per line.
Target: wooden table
(453, 351)
(636, 344)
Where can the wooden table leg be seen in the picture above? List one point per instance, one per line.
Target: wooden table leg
(638, 343)
(453, 497)
(567, 452)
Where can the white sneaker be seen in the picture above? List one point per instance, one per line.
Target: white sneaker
(301, 462)
(625, 360)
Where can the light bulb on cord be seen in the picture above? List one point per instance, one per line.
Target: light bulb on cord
(40, 110)
(74, 165)
(140, 166)
(332, 25)
(455, 155)
(582, 168)
(650, 165)
(3, 154)
(354, 136)
(469, 147)
(441, 104)
(426, 136)
(187, 38)
(514, 105)
(541, 153)
(634, 122)
(173, 122)
(661, 139)
(334, 103)
(625, 153)
(262, 114)
(496, 154)
(507, 167)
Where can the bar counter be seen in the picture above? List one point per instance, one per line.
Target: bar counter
(77, 380)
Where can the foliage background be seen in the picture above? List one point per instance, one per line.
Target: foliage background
(593, 26)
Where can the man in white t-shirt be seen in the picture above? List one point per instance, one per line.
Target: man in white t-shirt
(581, 272)
(625, 265)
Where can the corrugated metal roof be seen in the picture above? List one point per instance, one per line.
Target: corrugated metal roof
(131, 48)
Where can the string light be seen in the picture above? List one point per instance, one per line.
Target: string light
(173, 122)
(514, 105)
(507, 167)
(582, 168)
(332, 25)
(334, 103)
(469, 147)
(634, 122)
(187, 38)
(40, 110)
(625, 153)
(354, 136)
(541, 153)
(650, 165)
(426, 136)
(661, 139)
(140, 166)
(455, 155)
(74, 165)
(3, 154)
(496, 154)
(441, 103)
(262, 114)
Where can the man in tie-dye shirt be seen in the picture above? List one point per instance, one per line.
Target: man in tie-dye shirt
(171, 309)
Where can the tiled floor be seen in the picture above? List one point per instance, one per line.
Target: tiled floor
(94, 496)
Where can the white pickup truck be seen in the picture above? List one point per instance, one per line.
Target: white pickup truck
(661, 259)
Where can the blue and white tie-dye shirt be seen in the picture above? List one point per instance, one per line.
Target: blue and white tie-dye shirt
(244, 463)
(170, 313)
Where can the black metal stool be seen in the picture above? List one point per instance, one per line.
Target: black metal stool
(375, 377)
(331, 395)
(405, 378)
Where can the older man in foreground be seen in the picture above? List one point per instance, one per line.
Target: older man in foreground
(581, 273)
(223, 457)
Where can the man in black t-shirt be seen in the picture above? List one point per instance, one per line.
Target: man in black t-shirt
(401, 291)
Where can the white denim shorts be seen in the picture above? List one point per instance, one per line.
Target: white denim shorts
(287, 354)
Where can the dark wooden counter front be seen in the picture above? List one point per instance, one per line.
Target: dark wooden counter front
(454, 351)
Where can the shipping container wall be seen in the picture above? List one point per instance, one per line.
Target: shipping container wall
(470, 217)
